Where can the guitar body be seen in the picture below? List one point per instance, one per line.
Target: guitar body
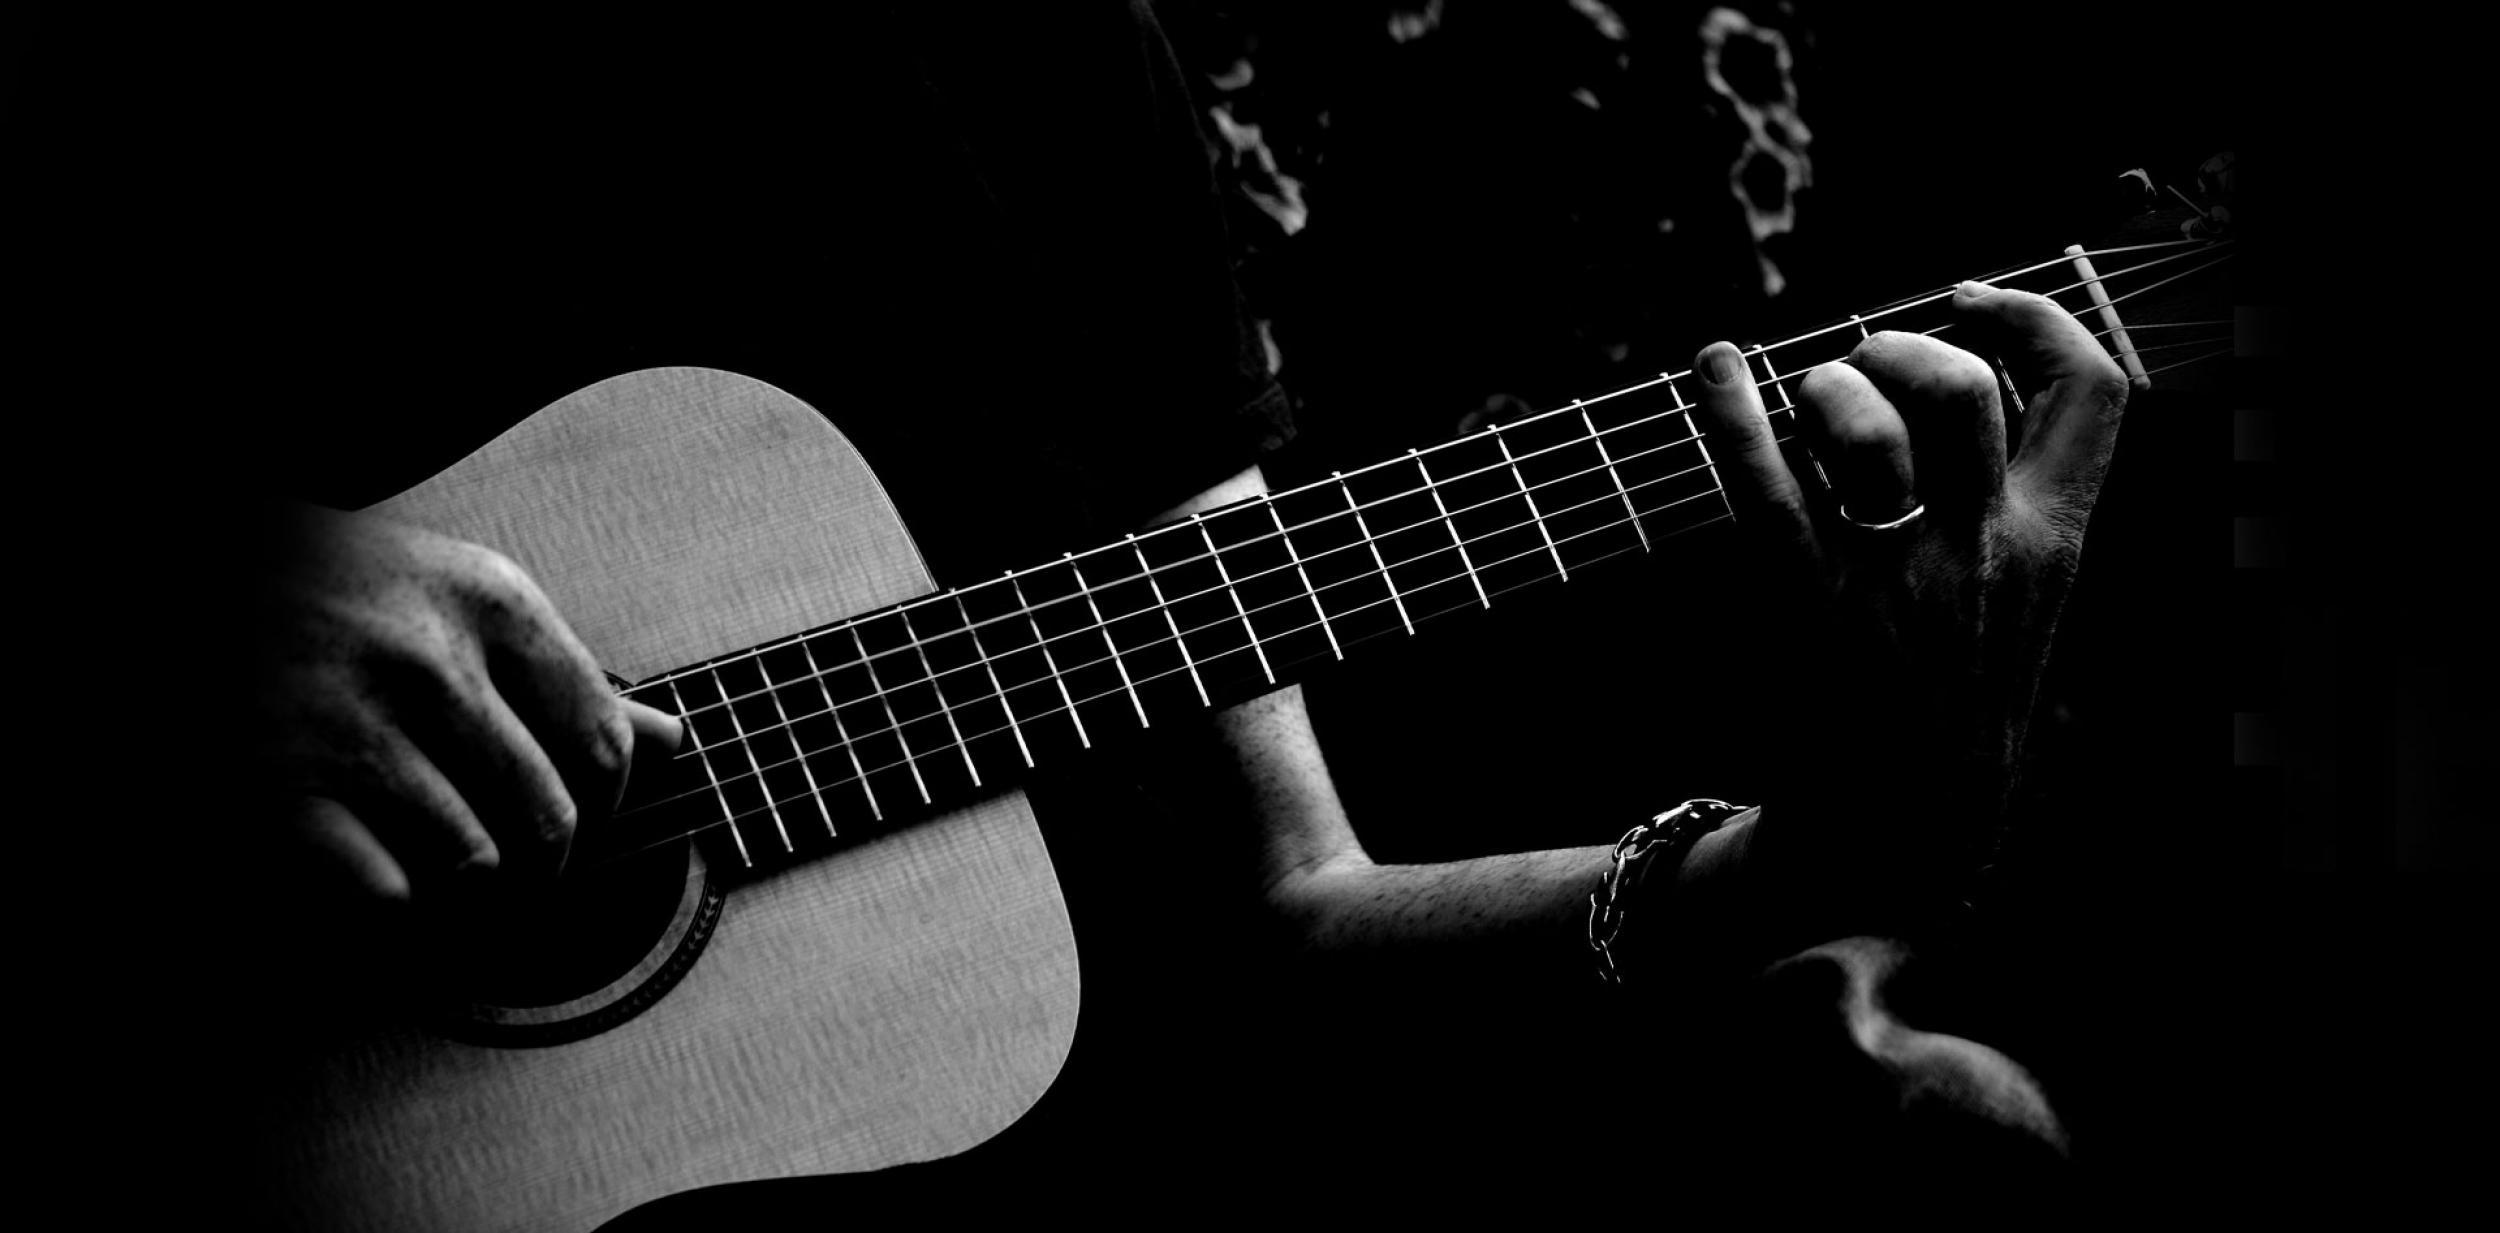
(898, 1001)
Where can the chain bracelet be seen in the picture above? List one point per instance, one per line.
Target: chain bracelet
(1672, 833)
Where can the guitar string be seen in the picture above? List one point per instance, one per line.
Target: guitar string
(2116, 300)
(2195, 359)
(1384, 574)
(1296, 599)
(1086, 590)
(2184, 342)
(982, 659)
(1189, 666)
(1900, 306)
(773, 804)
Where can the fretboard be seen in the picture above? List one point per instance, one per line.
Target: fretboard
(846, 730)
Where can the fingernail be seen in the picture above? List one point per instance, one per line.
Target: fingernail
(1721, 365)
(1971, 288)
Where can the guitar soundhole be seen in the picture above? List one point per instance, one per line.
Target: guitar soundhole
(598, 949)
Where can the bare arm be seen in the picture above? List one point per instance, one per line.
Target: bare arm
(1935, 636)
(1331, 896)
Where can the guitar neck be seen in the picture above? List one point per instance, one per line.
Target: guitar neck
(845, 730)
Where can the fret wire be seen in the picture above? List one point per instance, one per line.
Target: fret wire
(747, 747)
(1715, 518)
(1305, 575)
(1156, 588)
(1104, 627)
(1598, 439)
(1364, 530)
(841, 730)
(1312, 591)
(1048, 661)
(728, 811)
(893, 723)
(920, 651)
(1718, 483)
(814, 793)
(1899, 306)
(1227, 576)
(1820, 475)
(1072, 703)
(1001, 690)
(1452, 527)
(1530, 498)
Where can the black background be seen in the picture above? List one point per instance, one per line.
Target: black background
(2248, 982)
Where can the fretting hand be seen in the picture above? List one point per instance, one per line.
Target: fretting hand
(424, 715)
(1922, 646)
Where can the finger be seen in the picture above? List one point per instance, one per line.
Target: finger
(2073, 393)
(336, 835)
(1767, 499)
(1948, 397)
(554, 684)
(412, 807)
(1860, 438)
(654, 729)
(503, 773)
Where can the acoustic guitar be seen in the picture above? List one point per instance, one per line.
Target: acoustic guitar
(825, 936)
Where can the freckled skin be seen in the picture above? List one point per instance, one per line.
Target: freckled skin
(423, 713)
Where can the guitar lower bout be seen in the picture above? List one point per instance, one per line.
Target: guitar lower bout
(894, 1000)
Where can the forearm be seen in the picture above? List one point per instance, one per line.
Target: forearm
(1534, 903)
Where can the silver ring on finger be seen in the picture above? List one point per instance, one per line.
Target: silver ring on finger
(1896, 524)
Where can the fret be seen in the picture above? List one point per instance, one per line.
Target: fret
(1456, 543)
(1104, 627)
(1050, 662)
(804, 716)
(920, 651)
(1411, 541)
(1657, 445)
(1285, 538)
(668, 797)
(1860, 322)
(1283, 619)
(1223, 649)
(1599, 440)
(772, 757)
(1363, 528)
(1701, 442)
(1250, 631)
(1490, 515)
(885, 704)
(817, 674)
(1577, 497)
(990, 669)
(872, 736)
(772, 751)
(1799, 455)
(1164, 607)
(1097, 682)
(1340, 561)
(1530, 497)
(711, 774)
